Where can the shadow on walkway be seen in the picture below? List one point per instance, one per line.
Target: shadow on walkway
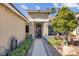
(51, 50)
(54, 51)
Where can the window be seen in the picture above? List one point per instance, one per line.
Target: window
(27, 28)
(50, 30)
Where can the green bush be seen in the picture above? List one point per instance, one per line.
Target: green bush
(21, 49)
(54, 41)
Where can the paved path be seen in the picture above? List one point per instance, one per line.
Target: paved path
(39, 49)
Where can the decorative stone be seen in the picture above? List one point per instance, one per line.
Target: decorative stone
(2, 51)
(69, 50)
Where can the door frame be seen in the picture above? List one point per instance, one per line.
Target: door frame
(36, 24)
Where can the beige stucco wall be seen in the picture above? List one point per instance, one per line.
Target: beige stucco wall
(45, 29)
(32, 29)
(10, 25)
(41, 18)
(38, 17)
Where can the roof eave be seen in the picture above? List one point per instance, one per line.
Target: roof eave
(39, 11)
(15, 10)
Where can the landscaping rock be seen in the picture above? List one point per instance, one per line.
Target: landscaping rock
(69, 50)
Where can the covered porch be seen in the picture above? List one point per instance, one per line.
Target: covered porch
(38, 29)
(38, 23)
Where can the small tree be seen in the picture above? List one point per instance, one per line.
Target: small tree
(64, 21)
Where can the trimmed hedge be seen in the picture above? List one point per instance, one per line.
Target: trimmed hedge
(21, 49)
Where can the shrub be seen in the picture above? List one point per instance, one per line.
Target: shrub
(54, 42)
(21, 49)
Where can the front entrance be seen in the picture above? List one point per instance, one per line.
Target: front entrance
(38, 30)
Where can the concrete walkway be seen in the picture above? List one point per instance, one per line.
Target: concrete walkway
(39, 49)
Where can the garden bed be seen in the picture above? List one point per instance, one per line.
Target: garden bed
(21, 49)
(70, 50)
(56, 43)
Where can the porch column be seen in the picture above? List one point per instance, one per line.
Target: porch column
(32, 29)
(45, 29)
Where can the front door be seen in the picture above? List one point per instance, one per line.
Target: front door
(38, 31)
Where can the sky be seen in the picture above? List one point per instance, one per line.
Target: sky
(23, 7)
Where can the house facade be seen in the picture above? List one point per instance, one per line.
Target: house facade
(77, 18)
(12, 26)
(15, 26)
(38, 25)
